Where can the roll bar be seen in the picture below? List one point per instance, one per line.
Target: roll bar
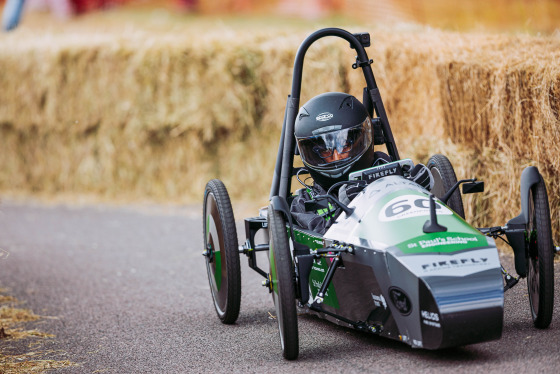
(283, 171)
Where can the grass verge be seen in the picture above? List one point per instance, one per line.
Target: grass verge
(14, 326)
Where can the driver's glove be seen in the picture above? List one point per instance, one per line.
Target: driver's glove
(422, 175)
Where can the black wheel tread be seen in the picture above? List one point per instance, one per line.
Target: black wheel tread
(545, 257)
(449, 178)
(233, 268)
(286, 290)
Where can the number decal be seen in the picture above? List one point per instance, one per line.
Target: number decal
(397, 208)
(409, 206)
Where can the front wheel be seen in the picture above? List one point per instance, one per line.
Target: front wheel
(283, 284)
(444, 179)
(221, 251)
(540, 257)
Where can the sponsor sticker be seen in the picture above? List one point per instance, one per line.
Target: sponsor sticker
(388, 184)
(316, 279)
(417, 343)
(430, 315)
(318, 285)
(456, 265)
(324, 116)
(430, 319)
(459, 262)
(316, 268)
(443, 242)
(449, 240)
(379, 301)
(431, 323)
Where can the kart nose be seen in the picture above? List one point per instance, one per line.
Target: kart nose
(467, 310)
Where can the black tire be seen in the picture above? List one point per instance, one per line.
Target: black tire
(221, 251)
(444, 179)
(283, 284)
(540, 257)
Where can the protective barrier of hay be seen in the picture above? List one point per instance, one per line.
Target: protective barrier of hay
(159, 115)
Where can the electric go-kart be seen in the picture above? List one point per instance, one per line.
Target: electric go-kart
(399, 261)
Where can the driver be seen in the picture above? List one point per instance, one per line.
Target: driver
(334, 136)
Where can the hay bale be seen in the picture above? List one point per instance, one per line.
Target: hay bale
(501, 102)
(158, 114)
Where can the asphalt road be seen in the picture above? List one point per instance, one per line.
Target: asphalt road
(129, 291)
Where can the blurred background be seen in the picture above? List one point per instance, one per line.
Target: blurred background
(498, 15)
(146, 100)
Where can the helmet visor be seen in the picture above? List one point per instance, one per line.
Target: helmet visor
(336, 147)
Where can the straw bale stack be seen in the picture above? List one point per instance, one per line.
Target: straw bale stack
(157, 115)
(500, 104)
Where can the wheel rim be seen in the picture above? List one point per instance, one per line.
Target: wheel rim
(215, 261)
(279, 316)
(276, 299)
(533, 259)
(533, 285)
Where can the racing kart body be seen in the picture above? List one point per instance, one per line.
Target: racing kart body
(399, 261)
(430, 290)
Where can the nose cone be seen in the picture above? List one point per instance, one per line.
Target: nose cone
(456, 311)
(449, 300)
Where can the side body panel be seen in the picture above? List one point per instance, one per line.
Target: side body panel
(428, 290)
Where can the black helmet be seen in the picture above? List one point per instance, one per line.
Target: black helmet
(334, 137)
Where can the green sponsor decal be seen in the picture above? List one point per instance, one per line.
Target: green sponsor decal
(319, 268)
(442, 242)
(318, 272)
(217, 254)
(273, 278)
(218, 270)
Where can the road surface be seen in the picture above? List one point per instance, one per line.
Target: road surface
(128, 288)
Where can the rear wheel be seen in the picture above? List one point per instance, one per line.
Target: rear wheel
(283, 284)
(444, 179)
(540, 257)
(220, 250)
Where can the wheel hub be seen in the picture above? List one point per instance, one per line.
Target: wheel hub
(209, 253)
(268, 283)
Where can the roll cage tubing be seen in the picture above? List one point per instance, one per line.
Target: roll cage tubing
(283, 171)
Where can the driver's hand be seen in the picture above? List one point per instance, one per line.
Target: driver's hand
(422, 175)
